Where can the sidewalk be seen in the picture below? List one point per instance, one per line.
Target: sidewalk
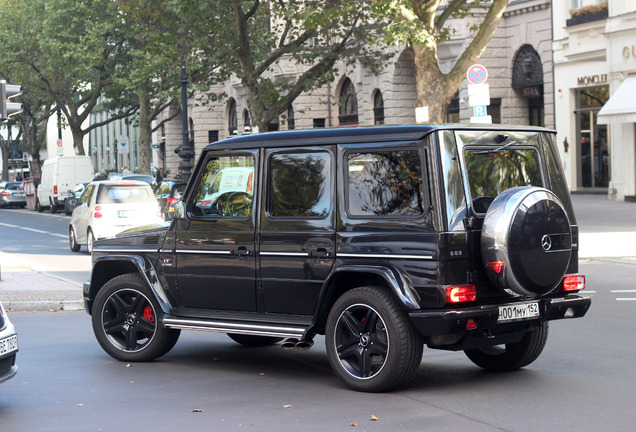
(607, 230)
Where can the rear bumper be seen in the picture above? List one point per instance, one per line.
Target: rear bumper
(434, 324)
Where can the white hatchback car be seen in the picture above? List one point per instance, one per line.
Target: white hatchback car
(107, 208)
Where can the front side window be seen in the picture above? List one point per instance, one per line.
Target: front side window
(226, 187)
(385, 183)
(300, 185)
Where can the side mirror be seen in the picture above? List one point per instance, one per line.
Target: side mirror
(179, 210)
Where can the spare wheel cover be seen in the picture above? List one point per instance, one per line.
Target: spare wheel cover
(527, 230)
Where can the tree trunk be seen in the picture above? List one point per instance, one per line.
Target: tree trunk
(5, 160)
(145, 130)
(78, 140)
(433, 88)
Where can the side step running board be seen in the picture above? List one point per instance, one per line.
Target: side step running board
(259, 329)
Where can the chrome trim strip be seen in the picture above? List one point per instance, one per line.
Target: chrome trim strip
(228, 327)
(299, 254)
(207, 252)
(388, 256)
(99, 249)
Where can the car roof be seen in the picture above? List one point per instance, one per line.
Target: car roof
(121, 183)
(349, 135)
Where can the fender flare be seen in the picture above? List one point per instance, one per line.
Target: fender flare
(144, 268)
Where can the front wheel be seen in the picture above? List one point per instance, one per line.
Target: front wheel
(126, 321)
(38, 206)
(514, 355)
(72, 240)
(371, 344)
(90, 239)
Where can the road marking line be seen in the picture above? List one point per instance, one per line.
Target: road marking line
(623, 291)
(625, 299)
(58, 235)
(9, 225)
(35, 230)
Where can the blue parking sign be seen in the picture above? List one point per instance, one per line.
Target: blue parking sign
(480, 111)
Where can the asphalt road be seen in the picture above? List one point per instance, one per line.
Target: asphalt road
(584, 381)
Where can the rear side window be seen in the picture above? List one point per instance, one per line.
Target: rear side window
(300, 185)
(109, 194)
(387, 183)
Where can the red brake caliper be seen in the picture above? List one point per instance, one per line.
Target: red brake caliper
(149, 316)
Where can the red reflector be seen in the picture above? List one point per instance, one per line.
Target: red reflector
(574, 283)
(471, 324)
(97, 215)
(496, 266)
(460, 293)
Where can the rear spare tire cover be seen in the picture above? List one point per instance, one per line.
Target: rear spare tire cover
(526, 241)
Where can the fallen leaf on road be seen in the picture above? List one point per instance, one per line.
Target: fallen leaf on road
(128, 365)
(287, 406)
(197, 410)
(373, 418)
(79, 405)
(354, 424)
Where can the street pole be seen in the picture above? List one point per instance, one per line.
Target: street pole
(184, 151)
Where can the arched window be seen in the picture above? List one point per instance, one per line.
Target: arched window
(247, 125)
(378, 108)
(348, 104)
(232, 119)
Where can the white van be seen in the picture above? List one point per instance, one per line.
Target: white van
(59, 175)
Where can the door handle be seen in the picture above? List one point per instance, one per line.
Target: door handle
(320, 253)
(242, 251)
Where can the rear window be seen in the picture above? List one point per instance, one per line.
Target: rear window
(496, 161)
(124, 194)
(13, 186)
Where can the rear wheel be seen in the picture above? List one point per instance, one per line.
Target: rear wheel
(511, 356)
(126, 321)
(38, 206)
(52, 207)
(72, 240)
(371, 344)
(253, 340)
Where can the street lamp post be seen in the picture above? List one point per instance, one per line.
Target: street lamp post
(184, 150)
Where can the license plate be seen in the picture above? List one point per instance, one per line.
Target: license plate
(129, 214)
(8, 345)
(518, 311)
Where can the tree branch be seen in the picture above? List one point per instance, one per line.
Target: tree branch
(447, 12)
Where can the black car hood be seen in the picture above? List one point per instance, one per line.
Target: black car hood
(147, 236)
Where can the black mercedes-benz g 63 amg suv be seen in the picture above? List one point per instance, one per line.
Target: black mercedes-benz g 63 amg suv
(382, 239)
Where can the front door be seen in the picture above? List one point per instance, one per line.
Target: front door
(297, 231)
(215, 246)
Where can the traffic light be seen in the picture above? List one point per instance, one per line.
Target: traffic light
(8, 91)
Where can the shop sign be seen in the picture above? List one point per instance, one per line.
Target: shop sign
(629, 51)
(592, 80)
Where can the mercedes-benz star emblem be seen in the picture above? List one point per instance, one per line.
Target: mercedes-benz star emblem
(546, 242)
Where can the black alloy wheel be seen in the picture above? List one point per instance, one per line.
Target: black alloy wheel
(371, 344)
(126, 321)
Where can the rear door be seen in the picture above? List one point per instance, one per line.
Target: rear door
(297, 230)
(215, 247)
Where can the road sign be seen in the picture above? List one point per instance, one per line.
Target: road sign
(59, 142)
(480, 111)
(477, 74)
(123, 143)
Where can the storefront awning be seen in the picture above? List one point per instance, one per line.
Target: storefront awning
(621, 106)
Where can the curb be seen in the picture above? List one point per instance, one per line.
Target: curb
(44, 305)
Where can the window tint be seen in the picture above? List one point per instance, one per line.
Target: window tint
(385, 183)
(300, 185)
(226, 187)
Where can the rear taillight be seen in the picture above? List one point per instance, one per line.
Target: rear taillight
(496, 266)
(460, 293)
(5, 193)
(55, 190)
(172, 200)
(97, 213)
(159, 212)
(573, 283)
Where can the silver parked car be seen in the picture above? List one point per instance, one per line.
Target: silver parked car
(109, 207)
(8, 347)
(12, 194)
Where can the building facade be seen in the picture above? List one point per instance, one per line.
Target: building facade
(595, 81)
(519, 61)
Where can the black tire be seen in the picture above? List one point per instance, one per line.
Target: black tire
(72, 240)
(52, 207)
(90, 239)
(512, 356)
(127, 321)
(253, 340)
(38, 206)
(371, 344)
